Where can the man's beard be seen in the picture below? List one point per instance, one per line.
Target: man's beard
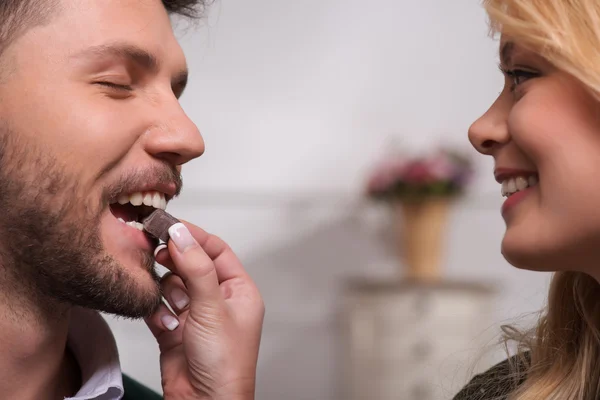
(51, 246)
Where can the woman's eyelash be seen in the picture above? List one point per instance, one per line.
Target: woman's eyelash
(113, 85)
(517, 75)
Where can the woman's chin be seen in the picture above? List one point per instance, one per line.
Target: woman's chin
(526, 254)
(532, 254)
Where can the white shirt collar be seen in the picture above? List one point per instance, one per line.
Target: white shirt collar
(95, 349)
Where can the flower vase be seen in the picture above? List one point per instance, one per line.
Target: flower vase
(420, 229)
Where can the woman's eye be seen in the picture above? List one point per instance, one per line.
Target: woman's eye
(518, 76)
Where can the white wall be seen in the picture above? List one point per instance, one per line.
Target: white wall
(295, 101)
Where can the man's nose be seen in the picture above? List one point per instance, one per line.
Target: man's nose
(174, 138)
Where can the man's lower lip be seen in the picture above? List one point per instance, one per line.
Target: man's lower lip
(140, 237)
(514, 199)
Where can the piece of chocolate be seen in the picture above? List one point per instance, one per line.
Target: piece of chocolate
(158, 223)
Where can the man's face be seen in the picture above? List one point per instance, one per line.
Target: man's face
(89, 115)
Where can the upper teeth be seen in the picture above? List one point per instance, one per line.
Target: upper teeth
(152, 199)
(513, 185)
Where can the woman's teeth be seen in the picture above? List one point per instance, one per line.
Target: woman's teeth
(133, 224)
(511, 186)
(152, 199)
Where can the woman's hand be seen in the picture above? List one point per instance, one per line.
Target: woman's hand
(209, 350)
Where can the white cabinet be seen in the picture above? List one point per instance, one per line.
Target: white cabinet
(412, 341)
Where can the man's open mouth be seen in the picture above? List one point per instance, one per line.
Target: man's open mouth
(131, 209)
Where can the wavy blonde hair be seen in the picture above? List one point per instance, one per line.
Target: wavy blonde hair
(561, 355)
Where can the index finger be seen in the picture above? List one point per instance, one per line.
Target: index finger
(227, 264)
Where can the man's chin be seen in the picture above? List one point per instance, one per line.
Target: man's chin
(138, 264)
(137, 289)
(127, 286)
(132, 301)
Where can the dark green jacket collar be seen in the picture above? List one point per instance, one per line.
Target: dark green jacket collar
(136, 391)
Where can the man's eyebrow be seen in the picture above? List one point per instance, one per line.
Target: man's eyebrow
(506, 52)
(135, 54)
(122, 50)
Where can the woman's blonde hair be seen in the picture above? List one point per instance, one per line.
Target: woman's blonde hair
(565, 32)
(562, 354)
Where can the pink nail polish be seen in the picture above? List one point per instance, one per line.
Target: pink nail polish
(181, 236)
(169, 322)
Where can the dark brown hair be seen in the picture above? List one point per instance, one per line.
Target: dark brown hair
(187, 8)
(16, 16)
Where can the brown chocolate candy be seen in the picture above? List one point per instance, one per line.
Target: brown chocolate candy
(158, 223)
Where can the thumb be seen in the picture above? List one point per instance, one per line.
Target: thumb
(193, 265)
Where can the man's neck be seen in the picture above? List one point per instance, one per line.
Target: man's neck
(35, 362)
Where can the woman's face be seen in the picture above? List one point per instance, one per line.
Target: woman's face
(544, 134)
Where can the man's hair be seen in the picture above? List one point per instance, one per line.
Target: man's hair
(17, 16)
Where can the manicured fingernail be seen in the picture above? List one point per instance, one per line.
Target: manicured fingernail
(170, 322)
(180, 299)
(159, 248)
(181, 236)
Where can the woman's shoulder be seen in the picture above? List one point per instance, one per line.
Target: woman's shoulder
(497, 382)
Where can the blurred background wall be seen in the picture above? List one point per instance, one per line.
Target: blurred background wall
(296, 101)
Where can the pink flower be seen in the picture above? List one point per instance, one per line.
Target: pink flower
(441, 167)
(418, 172)
(385, 175)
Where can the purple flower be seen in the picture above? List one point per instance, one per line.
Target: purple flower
(440, 167)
